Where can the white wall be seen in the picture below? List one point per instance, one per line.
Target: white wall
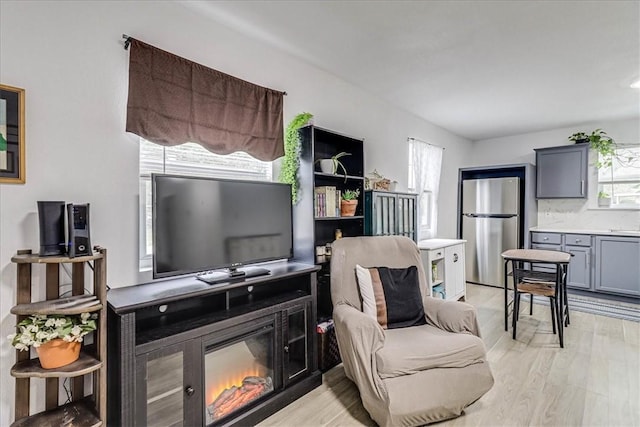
(564, 213)
(70, 59)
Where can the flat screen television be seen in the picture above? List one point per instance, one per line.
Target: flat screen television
(205, 224)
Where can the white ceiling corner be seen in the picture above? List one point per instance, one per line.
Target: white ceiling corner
(480, 69)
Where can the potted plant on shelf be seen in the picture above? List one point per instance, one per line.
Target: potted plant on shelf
(332, 164)
(579, 138)
(291, 161)
(349, 202)
(56, 338)
(604, 199)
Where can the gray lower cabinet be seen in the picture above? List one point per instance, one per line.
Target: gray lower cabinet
(545, 241)
(580, 246)
(618, 265)
(562, 171)
(579, 274)
(599, 263)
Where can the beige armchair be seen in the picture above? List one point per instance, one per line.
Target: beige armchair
(409, 376)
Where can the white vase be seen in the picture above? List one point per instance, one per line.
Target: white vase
(328, 166)
(604, 202)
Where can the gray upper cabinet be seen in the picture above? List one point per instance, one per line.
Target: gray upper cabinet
(562, 172)
(617, 265)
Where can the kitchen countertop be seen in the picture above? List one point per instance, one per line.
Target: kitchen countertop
(610, 232)
(438, 243)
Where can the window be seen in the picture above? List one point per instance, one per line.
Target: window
(621, 181)
(425, 163)
(187, 159)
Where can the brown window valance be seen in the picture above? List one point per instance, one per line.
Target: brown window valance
(173, 100)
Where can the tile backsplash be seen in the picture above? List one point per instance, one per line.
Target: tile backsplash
(576, 214)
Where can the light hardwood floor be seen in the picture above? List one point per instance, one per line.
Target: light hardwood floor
(593, 381)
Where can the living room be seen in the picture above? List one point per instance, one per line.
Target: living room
(69, 58)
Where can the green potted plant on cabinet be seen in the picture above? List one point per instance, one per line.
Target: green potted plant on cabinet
(349, 202)
(607, 152)
(579, 138)
(291, 161)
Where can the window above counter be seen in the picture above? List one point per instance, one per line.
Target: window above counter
(620, 181)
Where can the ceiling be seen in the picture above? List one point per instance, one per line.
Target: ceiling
(479, 69)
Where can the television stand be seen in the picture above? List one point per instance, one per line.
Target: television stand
(231, 274)
(164, 339)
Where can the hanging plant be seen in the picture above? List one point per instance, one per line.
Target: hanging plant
(606, 148)
(291, 162)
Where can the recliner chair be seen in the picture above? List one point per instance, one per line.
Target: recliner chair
(408, 376)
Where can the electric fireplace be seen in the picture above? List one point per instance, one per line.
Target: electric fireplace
(184, 353)
(238, 374)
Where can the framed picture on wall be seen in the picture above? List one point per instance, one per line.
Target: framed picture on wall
(12, 141)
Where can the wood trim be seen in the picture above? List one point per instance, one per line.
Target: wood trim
(23, 295)
(52, 292)
(100, 290)
(22, 173)
(77, 288)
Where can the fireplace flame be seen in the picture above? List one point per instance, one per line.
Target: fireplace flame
(236, 396)
(236, 376)
(233, 379)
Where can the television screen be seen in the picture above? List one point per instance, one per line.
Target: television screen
(205, 224)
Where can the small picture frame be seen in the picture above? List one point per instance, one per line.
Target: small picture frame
(12, 139)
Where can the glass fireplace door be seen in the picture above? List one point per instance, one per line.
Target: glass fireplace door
(167, 385)
(238, 372)
(296, 350)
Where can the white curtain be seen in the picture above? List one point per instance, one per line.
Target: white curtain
(425, 165)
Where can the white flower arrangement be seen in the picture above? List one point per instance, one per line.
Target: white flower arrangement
(38, 329)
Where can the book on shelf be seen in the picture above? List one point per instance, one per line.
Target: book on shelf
(326, 201)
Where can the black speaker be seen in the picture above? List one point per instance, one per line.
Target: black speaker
(78, 226)
(51, 220)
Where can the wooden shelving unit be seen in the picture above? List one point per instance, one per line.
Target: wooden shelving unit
(83, 410)
(313, 233)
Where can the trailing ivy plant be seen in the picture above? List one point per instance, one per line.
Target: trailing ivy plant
(604, 145)
(606, 148)
(291, 162)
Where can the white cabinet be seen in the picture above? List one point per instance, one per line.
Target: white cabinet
(443, 261)
(454, 271)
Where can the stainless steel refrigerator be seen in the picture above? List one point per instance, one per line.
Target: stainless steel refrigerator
(490, 224)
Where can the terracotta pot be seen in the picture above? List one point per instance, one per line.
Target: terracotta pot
(348, 207)
(57, 353)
